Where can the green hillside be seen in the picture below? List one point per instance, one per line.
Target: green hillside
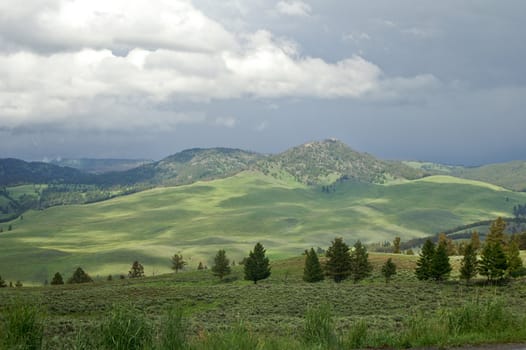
(100, 166)
(233, 214)
(511, 175)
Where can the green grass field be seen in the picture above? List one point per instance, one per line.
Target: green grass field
(274, 308)
(233, 214)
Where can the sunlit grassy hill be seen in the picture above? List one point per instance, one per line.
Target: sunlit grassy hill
(233, 214)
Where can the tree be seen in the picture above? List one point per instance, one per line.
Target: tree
(57, 279)
(137, 270)
(493, 263)
(514, 260)
(360, 265)
(79, 276)
(221, 266)
(257, 264)
(109, 278)
(338, 265)
(396, 245)
(450, 247)
(388, 270)
(496, 232)
(18, 284)
(469, 264)
(200, 266)
(425, 260)
(10, 227)
(440, 266)
(312, 271)
(2, 283)
(178, 262)
(475, 241)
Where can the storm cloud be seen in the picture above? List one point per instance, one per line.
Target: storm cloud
(415, 79)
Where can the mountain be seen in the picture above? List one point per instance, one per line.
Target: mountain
(100, 166)
(18, 172)
(187, 167)
(510, 175)
(325, 162)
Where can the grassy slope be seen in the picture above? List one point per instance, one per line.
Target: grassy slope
(233, 214)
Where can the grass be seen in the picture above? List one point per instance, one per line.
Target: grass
(194, 310)
(234, 213)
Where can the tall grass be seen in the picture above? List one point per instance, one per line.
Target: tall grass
(22, 327)
(235, 338)
(319, 327)
(126, 328)
(173, 330)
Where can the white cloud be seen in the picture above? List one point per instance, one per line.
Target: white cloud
(114, 64)
(294, 8)
(228, 122)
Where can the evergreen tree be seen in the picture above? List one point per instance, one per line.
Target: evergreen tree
(425, 260)
(18, 284)
(440, 266)
(360, 265)
(57, 279)
(178, 262)
(338, 265)
(79, 276)
(257, 264)
(514, 259)
(475, 241)
(469, 264)
(312, 272)
(396, 245)
(388, 270)
(200, 266)
(2, 283)
(137, 270)
(110, 278)
(496, 232)
(221, 266)
(450, 247)
(493, 262)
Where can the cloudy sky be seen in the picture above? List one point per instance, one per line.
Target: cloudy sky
(422, 79)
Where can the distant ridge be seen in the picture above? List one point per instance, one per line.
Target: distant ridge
(100, 166)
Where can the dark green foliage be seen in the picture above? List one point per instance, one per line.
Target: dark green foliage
(18, 284)
(109, 278)
(360, 266)
(21, 327)
(312, 271)
(125, 328)
(493, 263)
(424, 264)
(469, 264)
(2, 283)
(388, 270)
(396, 245)
(79, 276)
(10, 227)
(319, 327)
(221, 266)
(200, 266)
(178, 262)
(137, 270)
(257, 264)
(496, 232)
(440, 266)
(514, 259)
(338, 266)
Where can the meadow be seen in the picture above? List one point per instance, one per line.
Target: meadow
(275, 313)
(233, 214)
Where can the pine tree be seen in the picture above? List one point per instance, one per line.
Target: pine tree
(388, 270)
(360, 265)
(200, 266)
(496, 232)
(178, 262)
(221, 266)
(475, 241)
(79, 276)
(137, 270)
(57, 279)
(18, 284)
(493, 262)
(2, 283)
(425, 260)
(312, 272)
(440, 266)
(469, 264)
(257, 265)
(338, 265)
(450, 247)
(514, 259)
(396, 245)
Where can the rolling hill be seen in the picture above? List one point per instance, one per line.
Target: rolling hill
(233, 213)
(100, 166)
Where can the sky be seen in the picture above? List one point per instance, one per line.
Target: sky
(441, 81)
